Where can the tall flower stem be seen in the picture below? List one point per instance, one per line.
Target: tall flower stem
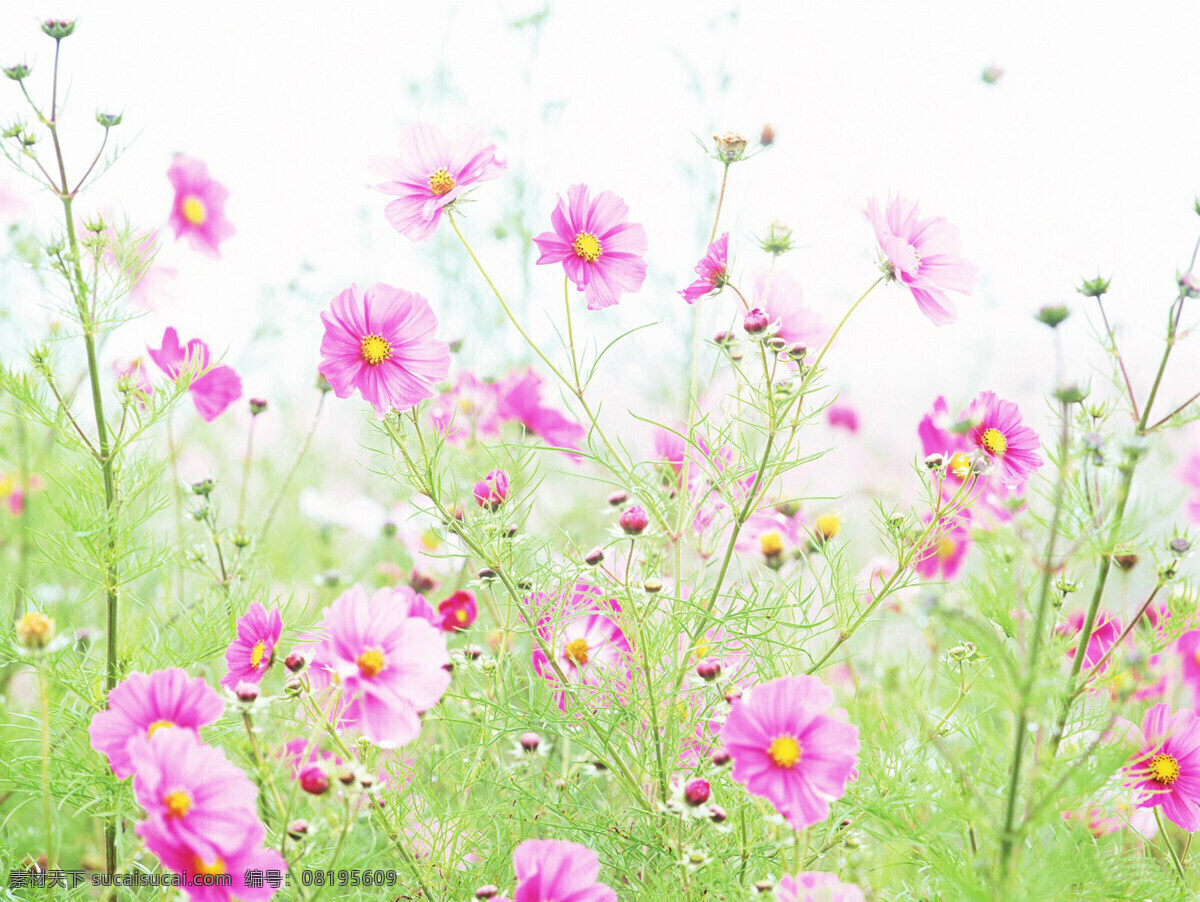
(44, 698)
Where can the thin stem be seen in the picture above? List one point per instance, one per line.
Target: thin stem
(287, 479)
(44, 697)
(720, 200)
(1112, 339)
(1166, 841)
(1182, 407)
(241, 517)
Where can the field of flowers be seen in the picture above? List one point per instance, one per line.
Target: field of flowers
(564, 644)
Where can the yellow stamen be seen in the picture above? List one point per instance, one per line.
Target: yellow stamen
(178, 803)
(256, 654)
(960, 464)
(994, 441)
(208, 868)
(375, 349)
(947, 548)
(700, 652)
(370, 662)
(460, 616)
(828, 525)
(156, 726)
(784, 751)
(588, 247)
(441, 182)
(194, 211)
(771, 543)
(1164, 769)
(577, 651)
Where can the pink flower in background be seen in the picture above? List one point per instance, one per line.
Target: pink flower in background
(381, 344)
(713, 271)
(492, 490)
(143, 704)
(519, 399)
(199, 207)
(433, 171)
(249, 656)
(212, 388)
(467, 410)
(669, 448)
(550, 870)
(598, 247)
(136, 371)
(779, 296)
(787, 749)
(579, 629)
(14, 490)
(922, 254)
(944, 557)
(458, 611)
(389, 665)
(816, 886)
(1188, 649)
(192, 794)
(1190, 474)
(134, 260)
(717, 652)
(842, 416)
(238, 864)
(773, 534)
(1166, 770)
(1001, 434)
(1105, 631)
(413, 604)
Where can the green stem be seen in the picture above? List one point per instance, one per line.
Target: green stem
(1166, 841)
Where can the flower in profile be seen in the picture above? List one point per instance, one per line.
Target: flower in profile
(198, 210)
(1190, 474)
(238, 865)
(143, 704)
(519, 399)
(1001, 435)
(588, 647)
(551, 869)
(779, 296)
(250, 655)
(192, 793)
(389, 665)
(816, 886)
(713, 271)
(842, 416)
(598, 247)
(492, 490)
(380, 343)
(212, 388)
(434, 170)
(1166, 769)
(943, 558)
(1105, 631)
(789, 750)
(923, 255)
(458, 611)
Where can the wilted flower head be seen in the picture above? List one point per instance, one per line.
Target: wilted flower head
(198, 210)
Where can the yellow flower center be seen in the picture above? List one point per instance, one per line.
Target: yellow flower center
(588, 247)
(994, 441)
(460, 616)
(947, 548)
(35, 629)
(156, 726)
(441, 182)
(178, 803)
(700, 652)
(577, 651)
(208, 868)
(256, 654)
(771, 543)
(370, 662)
(194, 211)
(828, 525)
(1197, 656)
(1164, 769)
(960, 464)
(784, 751)
(375, 349)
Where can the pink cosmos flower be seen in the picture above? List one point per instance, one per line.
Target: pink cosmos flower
(842, 416)
(142, 704)
(944, 556)
(199, 207)
(816, 886)
(598, 247)
(1105, 631)
(519, 400)
(238, 864)
(381, 343)
(589, 647)
(136, 371)
(192, 794)
(213, 388)
(458, 611)
(772, 534)
(492, 490)
(1166, 770)
(713, 271)
(434, 170)
(413, 604)
(466, 411)
(1188, 648)
(249, 656)
(778, 294)
(787, 749)
(922, 254)
(389, 665)
(551, 870)
(1002, 436)
(1190, 474)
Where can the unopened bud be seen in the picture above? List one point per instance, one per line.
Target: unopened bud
(619, 497)
(697, 791)
(530, 741)
(486, 892)
(1189, 284)
(35, 630)
(709, 669)
(634, 520)
(992, 74)
(314, 780)
(487, 573)
(1094, 288)
(767, 137)
(716, 814)
(246, 692)
(297, 828)
(755, 322)
(652, 586)
(1052, 316)
(257, 406)
(1180, 545)
(16, 73)
(346, 775)
(721, 757)
(294, 662)
(935, 461)
(109, 120)
(204, 487)
(594, 557)
(58, 28)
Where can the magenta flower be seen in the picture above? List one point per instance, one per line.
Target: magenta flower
(1105, 631)
(250, 655)
(1003, 437)
(519, 399)
(389, 665)
(551, 870)
(381, 344)
(199, 207)
(1188, 648)
(787, 749)
(213, 388)
(842, 416)
(1190, 474)
(944, 557)
(458, 611)
(1166, 770)
(413, 604)
(922, 254)
(238, 864)
(191, 793)
(492, 490)
(781, 299)
(598, 247)
(713, 271)
(816, 886)
(434, 171)
(142, 704)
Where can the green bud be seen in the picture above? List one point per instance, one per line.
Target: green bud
(58, 28)
(778, 240)
(1071, 394)
(1052, 316)
(17, 72)
(204, 487)
(1094, 288)
(109, 120)
(12, 131)
(28, 139)
(323, 385)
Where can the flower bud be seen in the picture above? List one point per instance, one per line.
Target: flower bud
(778, 240)
(594, 557)
(35, 630)
(293, 687)
(421, 582)
(1189, 284)
(755, 322)
(619, 497)
(1125, 561)
(109, 120)
(767, 137)
(764, 886)
(992, 74)
(297, 828)
(716, 814)
(486, 573)
(530, 741)
(204, 487)
(246, 692)
(730, 146)
(721, 757)
(935, 461)
(723, 338)
(1071, 394)
(634, 520)
(797, 352)
(1052, 316)
(1180, 545)
(778, 343)
(473, 652)
(314, 780)
(652, 586)
(1094, 288)
(346, 774)
(732, 694)
(16, 73)
(697, 791)
(492, 491)
(708, 669)
(58, 28)
(294, 662)
(257, 406)
(486, 892)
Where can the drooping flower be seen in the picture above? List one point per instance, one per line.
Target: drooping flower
(1001, 434)
(551, 870)
(816, 886)
(249, 656)
(948, 547)
(458, 611)
(193, 794)
(142, 704)
(923, 255)
(789, 750)
(240, 866)
(1166, 769)
(380, 343)
(434, 170)
(600, 250)
(519, 399)
(389, 665)
(713, 271)
(212, 388)
(779, 296)
(1190, 474)
(198, 210)
(1105, 630)
(492, 490)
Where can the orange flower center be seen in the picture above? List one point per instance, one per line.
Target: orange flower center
(208, 868)
(947, 548)
(441, 182)
(375, 349)
(994, 441)
(178, 803)
(256, 654)
(156, 726)
(587, 246)
(370, 662)
(194, 211)
(784, 751)
(577, 651)
(960, 464)
(1164, 769)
